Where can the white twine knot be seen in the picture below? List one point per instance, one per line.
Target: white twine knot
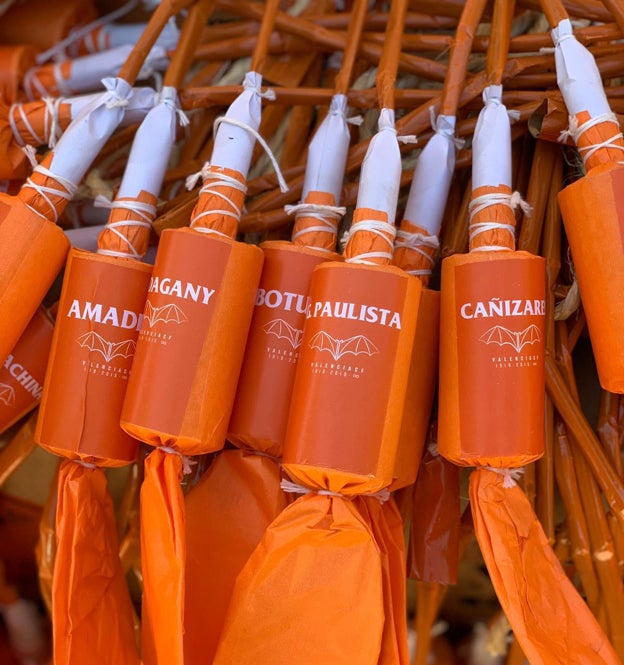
(193, 179)
(444, 125)
(31, 155)
(382, 229)
(293, 488)
(268, 94)
(86, 465)
(187, 462)
(113, 99)
(215, 181)
(169, 97)
(265, 146)
(510, 476)
(416, 242)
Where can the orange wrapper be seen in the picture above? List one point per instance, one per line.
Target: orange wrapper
(436, 521)
(43, 23)
(593, 216)
(550, 620)
(357, 341)
(15, 61)
(423, 377)
(267, 376)
(33, 253)
(221, 537)
(386, 525)
(319, 558)
(21, 376)
(94, 342)
(492, 320)
(92, 612)
(193, 334)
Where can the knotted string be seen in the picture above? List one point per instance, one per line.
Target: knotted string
(329, 217)
(146, 212)
(293, 488)
(575, 131)
(510, 476)
(416, 242)
(187, 462)
(382, 229)
(480, 203)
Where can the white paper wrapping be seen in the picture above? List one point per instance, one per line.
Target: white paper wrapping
(89, 131)
(151, 148)
(233, 146)
(491, 145)
(140, 102)
(432, 178)
(327, 154)
(577, 74)
(381, 169)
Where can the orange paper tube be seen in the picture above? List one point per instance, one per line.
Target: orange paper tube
(21, 376)
(593, 216)
(491, 359)
(98, 322)
(357, 341)
(423, 376)
(260, 412)
(33, 255)
(192, 340)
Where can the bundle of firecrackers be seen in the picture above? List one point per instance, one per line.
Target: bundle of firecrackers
(311, 332)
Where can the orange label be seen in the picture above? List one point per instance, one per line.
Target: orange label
(268, 373)
(359, 326)
(21, 376)
(180, 305)
(500, 318)
(94, 343)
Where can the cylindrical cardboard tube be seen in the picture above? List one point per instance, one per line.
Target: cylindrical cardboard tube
(492, 322)
(32, 253)
(21, 376)
(347, 404)
(97, 325)
(265, 385)
(423, 376)
(593, 215)
(192, 341)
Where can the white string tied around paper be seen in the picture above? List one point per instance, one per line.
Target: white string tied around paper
(415, 242)
(268, 94)
(43, 190)
(187, 462)
(170, 101)
(510, 476)
(329, 217)
(575, 131)
(444, 129)
(113, 99)
(145, 212)
(265, 146)
(379, 228)
(212, 187)
(86, 465)
(293, 488)
(512, 201)
(356, 120)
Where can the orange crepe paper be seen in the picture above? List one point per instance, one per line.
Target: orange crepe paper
(593, 216)
(92, 613)
(320, 559)
(267, 376)
(357, 341)
(491, 410)
(551, 622)
(436, 521)
(423, 377)
(94, 341)
(386, 525)
(33, 253)
(15, 61)
(21, 376)
(227, 513)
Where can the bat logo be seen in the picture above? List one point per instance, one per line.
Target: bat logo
(109, 350)
(167, 314)
(7, 394)
(356, 345)
(283, 330)
(517, 340)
